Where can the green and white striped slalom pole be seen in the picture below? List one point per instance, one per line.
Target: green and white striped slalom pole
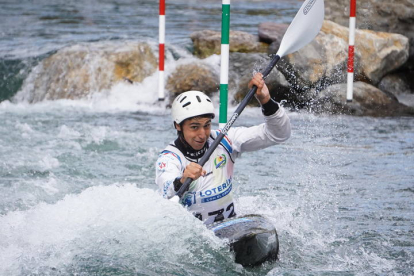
(224, 68)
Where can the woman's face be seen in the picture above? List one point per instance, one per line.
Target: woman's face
(196, 131)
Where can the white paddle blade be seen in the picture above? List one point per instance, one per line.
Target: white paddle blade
(304, 27)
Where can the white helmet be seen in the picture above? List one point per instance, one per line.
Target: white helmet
(191, 104)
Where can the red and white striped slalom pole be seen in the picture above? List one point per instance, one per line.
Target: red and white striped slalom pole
(161, 50)
(351, 51)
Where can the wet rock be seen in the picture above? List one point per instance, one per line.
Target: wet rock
(377, 15)
(272, 33)
(367, 100)
(398, 84)
(306, 68)
(379, 52)
(76, 72)
(134, 65)
(324, 61)
(207, 43)
(319, 64)
(193, 76)
(243, 66)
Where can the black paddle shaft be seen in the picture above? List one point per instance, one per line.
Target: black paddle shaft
(226, 128)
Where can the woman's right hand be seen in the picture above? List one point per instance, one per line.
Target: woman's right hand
(193, 171)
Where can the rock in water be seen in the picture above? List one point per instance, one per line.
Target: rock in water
(77, 71)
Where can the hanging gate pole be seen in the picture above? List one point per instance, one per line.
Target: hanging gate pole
(161, 50)
(224, 67)
(351, 51)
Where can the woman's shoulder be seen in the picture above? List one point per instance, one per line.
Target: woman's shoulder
(226, 141)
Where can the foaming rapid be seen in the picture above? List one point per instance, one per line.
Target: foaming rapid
(324, 190)
(116, 229)
(46, 89)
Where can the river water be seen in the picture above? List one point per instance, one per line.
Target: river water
(77, 176)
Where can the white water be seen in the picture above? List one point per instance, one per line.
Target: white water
(79, 197)
(105, 229)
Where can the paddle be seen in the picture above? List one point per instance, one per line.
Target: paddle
(303, 29)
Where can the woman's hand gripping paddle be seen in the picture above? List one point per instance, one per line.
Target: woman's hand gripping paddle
(302, 30)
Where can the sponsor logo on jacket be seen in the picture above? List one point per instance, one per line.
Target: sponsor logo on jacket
(216, 192)
(220, 161)
(189, 199)
(162, 165)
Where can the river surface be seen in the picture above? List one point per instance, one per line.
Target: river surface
(77, 176)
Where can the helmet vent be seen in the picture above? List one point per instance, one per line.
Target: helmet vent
(198, 98)
(187, 104)
(183, 99)
(208, 100)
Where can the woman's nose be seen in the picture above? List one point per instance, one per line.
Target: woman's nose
(201, 132)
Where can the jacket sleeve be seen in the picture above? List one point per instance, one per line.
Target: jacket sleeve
(275, 130)
(167, 168)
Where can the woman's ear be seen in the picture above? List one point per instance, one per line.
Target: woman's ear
(177, 126)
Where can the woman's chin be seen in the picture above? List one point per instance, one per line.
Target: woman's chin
(198, 146)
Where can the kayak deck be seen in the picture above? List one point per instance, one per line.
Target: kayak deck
(252, 238)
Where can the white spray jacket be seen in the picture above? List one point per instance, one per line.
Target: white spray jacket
(210, 197)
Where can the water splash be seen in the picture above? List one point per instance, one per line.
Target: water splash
(114, 229)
